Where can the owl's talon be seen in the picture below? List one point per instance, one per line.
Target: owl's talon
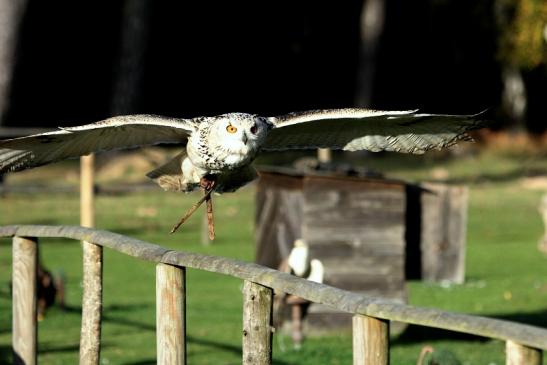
(207, 182)
(194, 207)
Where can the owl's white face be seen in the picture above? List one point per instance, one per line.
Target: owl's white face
(227, 141)
(238, 133)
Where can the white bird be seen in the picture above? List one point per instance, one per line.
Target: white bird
(219, 150)
(299, 258)
(302, 265)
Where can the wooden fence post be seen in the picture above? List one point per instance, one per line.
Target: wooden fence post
(170, 314)
(521, 355)
(257, 324)
(25, 264)
(90, 338)
(370, 341)
(324, 155)
(87, 191)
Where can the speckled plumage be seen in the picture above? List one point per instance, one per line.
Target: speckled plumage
(224, 146)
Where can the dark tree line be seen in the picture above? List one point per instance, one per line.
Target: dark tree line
(82, 61)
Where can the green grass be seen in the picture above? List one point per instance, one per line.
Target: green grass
(506, 275)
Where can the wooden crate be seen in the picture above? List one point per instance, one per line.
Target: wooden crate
(370, 234)
(354, 226)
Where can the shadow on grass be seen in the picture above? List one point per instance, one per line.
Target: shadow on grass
(5, 294)
(7, 355)
(122, 321)
(208, 343)
(538, 319)
(419, 334)
(45, 348)
(6, 328)
(416, 334)
(216, 345)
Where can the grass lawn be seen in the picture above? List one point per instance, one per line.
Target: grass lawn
(506, 275)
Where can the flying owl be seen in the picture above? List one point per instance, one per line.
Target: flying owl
(219, 150)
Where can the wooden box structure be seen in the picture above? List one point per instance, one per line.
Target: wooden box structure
(443, 232)
(370, 234)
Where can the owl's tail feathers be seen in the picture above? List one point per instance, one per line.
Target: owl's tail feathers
(229, 182)
(170, 176)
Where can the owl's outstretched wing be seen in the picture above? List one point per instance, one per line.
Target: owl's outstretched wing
(113, 133)
(364, 129)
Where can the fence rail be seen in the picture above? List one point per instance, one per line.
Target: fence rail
(371, 315)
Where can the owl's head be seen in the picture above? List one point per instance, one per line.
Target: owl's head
(239, 133)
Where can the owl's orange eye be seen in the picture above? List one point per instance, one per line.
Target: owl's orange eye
(231, 129)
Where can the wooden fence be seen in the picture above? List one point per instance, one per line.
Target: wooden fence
(524, 343)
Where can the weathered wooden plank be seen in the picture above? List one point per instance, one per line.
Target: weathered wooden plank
(369, 197)
(353, 207)
(340, 321)
(342, 212)
(90, 338)
(356, 201)
(392, 234)
(444, 227)
(358, 239)
(257, 324)
(279, 181)
(359, 236)
(361, 223)
(343, 300)
(126, 245)
(25, 264)
(322, 308)
(348, 249)
(521, 355)
(370, 341)
(393, 287)
(170, 315)
(372, 274)
(384, 264)
(349, 183)
(321, 316)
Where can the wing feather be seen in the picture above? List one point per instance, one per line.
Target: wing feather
(113, 133)
(373, 130)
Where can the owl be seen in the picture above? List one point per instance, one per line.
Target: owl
(218, 151)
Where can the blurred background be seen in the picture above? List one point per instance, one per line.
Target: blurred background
(66, 62)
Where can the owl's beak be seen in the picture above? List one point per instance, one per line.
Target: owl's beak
(244, 138)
